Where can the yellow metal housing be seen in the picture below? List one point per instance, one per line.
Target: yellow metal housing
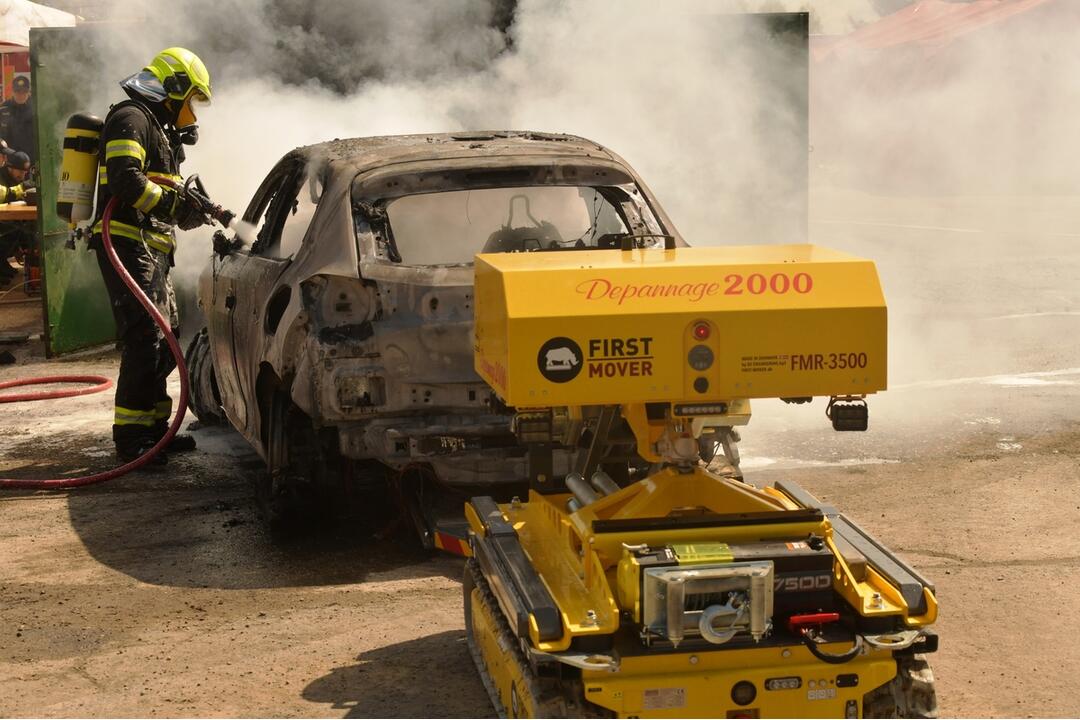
(699, 684)
(601, 327)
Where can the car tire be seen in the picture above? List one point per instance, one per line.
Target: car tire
(301, 471)
(204, 400)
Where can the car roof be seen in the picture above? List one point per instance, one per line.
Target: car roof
(368, 153)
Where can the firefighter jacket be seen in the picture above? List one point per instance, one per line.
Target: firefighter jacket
(135, 156)
(10, 194)
(10, 188)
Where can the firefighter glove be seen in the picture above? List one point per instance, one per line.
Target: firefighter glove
(167, 206)
(189, 217)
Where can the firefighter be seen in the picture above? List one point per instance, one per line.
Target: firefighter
(141, 147)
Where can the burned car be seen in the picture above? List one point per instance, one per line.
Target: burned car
(340, 342)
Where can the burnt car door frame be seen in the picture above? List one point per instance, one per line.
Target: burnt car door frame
(236, 280)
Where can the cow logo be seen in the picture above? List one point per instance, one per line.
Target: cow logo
(559, 359)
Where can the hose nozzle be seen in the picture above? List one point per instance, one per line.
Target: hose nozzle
(196, 194)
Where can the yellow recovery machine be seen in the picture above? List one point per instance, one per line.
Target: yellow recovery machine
(643, 577)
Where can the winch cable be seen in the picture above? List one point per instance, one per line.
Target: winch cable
(174, 347)
(811, 643)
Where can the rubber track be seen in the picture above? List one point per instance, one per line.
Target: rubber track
(910, 694)
(551, 701)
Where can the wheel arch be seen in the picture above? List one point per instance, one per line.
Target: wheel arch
(267, 386)
(204, 399)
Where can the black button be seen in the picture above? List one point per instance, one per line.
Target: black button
(701, 385)
(847, 680)
(700, 357)
(743, 693)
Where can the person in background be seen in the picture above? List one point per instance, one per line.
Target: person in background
(15, 177)
(17, 118)
(15, 184)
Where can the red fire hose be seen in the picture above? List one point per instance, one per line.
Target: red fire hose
(104, 384)
(100, 384)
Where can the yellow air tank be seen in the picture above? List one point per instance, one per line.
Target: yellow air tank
(78, 170)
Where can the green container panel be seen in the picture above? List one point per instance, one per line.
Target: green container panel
(67, 77)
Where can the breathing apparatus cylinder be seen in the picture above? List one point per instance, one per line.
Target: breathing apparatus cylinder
(78, 169)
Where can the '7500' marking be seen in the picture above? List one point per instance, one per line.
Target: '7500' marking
(777, 283)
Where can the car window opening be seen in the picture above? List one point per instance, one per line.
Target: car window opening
(281, 233)
(450, 228)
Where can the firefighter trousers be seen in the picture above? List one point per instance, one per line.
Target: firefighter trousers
(143, 405)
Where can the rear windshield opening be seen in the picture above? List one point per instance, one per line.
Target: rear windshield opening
(448, 228)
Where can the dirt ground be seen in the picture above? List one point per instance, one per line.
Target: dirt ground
(160, 594)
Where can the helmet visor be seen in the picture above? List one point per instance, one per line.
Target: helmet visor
(189, 110)
(145, 84)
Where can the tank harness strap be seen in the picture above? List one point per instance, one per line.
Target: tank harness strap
(82, 143)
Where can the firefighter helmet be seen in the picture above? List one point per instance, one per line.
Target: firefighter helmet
(175, 77)
(181, 73)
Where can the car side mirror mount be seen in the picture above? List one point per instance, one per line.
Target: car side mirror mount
(224, 245)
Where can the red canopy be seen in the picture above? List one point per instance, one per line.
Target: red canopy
(18, 16)
(951, 97)
(926, 23)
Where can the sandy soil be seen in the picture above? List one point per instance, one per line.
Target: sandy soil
(160, 593)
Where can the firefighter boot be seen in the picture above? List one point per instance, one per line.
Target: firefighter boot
(134, 441)
(181, 442)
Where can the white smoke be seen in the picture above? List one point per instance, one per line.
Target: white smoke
(683, 99)
(677, 92)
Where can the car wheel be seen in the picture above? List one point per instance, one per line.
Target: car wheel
(302, 470)
(204, 400)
